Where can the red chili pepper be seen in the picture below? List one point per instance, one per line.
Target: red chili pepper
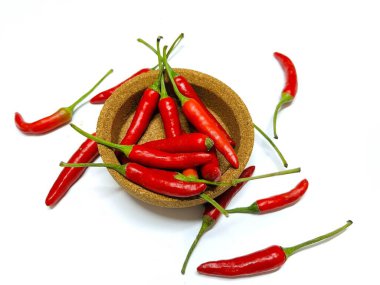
(153, 157)
(54, 121)
(276, 202)
(87, 152)
(211, 214)
(262, 261)
(211, 170)
(104, 95)
(156, 180)
(290, 89)
(199, 118)
(192, 142)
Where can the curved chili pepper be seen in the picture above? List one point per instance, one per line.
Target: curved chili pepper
(211, 170)
(153, 157)
(192, 142)
(262, 261)
(211, 214)
(87, 152)
(156, 180)
(103, 96)
(276, 202)
(199, 118)
(290, 89)
(56, 120)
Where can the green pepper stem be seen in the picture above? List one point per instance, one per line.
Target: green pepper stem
(252, 209)
(72, 106)
(291, 250)
(216, 205)
(272, 144)
(285, 98)
(172, 47)
(126, 149)
(207, 223)
(234, 182)
(163, 93)
(117, 167)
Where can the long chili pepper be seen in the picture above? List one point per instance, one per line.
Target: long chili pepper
(233, 182)
(191, 142)
(290, 89)
(276, 202)
(57, 119)
(156, 180)
(199, 118)
(211, 170)
(87, 152)
(153, 157)
(211, 214)
(104, 95)
(262, 261)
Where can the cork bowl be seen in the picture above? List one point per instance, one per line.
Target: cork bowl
(221, 100)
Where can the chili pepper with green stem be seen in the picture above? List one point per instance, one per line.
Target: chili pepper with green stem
(61, 117)
(211, 214)
(290, 89)
(262, 261)
(275, 202)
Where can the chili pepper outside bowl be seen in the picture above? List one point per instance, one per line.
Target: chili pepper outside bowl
(220, 99)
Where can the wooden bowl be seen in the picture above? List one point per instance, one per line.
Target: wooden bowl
(221, 100)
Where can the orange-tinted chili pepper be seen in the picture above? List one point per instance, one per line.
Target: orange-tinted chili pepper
(211, 214)
(87, 152)
(262, 261)
(56, 120)
(152, 157)
(200, 119)
(290, 89)
(276, 202)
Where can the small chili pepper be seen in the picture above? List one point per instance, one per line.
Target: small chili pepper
(233, 182)
(276, 202)
(87, 152)
(199, 118)
(192, 142)
(262, 261)
(56, 120)
(290, 89)
(156, 180)
(153, 157)
(104, 95)
(211, 214)
(211, 170)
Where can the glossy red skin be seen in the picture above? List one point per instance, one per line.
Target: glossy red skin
(287, 65)
(162, 181)
(104, 95)
(144, 112)
(87, 152)
(283, 200)
(227, 196)
(200, 119)
(192, 142)
(158, 159)
(170, 117)
(186, 89)
(61, 117)
(262, 261)
(211, 170)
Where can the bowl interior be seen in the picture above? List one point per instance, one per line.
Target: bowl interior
(222, 101)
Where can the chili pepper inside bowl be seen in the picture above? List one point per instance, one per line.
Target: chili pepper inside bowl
(223, 103)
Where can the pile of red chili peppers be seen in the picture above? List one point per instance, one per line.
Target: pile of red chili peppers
(154, 165)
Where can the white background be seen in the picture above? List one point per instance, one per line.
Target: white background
(51, 52)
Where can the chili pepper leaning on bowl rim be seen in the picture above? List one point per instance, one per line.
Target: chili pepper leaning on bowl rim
(262, 261)
(156, 180)
(87, 152)
(104, 95)
(200, 119)
(57, 119)
(211, 215)
(275, 202)
(153, 157)
(290, 89)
